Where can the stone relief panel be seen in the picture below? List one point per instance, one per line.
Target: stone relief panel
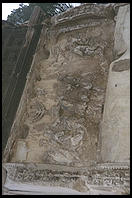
(60, 140)
(66, 137)
(65, 112)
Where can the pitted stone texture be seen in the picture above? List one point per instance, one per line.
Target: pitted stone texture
(84, 11)
(68, 82)
(66, 108)
(100, 179)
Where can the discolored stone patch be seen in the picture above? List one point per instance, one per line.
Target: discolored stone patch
(24, 132)
(121, 65)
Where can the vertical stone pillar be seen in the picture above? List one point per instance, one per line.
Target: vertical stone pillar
(3, 179)
(115, 132)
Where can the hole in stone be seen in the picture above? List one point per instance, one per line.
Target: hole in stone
(102, 109)
(121, 65)
(46, 53)
(24, 132)
(115, 85)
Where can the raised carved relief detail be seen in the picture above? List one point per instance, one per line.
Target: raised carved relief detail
(101, 175)
(36, 110)
(64, 138)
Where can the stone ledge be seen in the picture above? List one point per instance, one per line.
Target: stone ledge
(45, 170)
(87, 10)
(107, 176)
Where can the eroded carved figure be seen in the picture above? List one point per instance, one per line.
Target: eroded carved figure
(66, 113)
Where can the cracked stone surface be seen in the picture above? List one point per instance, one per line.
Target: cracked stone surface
(63, 106)
(65, 110)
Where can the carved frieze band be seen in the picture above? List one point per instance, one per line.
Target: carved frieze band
(108, 175)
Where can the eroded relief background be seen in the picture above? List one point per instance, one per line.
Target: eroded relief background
(62, 120)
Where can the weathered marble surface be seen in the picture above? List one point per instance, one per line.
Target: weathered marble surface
(57, 135)
(122, 30)
(100, 179)
(65, 109)
(115, 133)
